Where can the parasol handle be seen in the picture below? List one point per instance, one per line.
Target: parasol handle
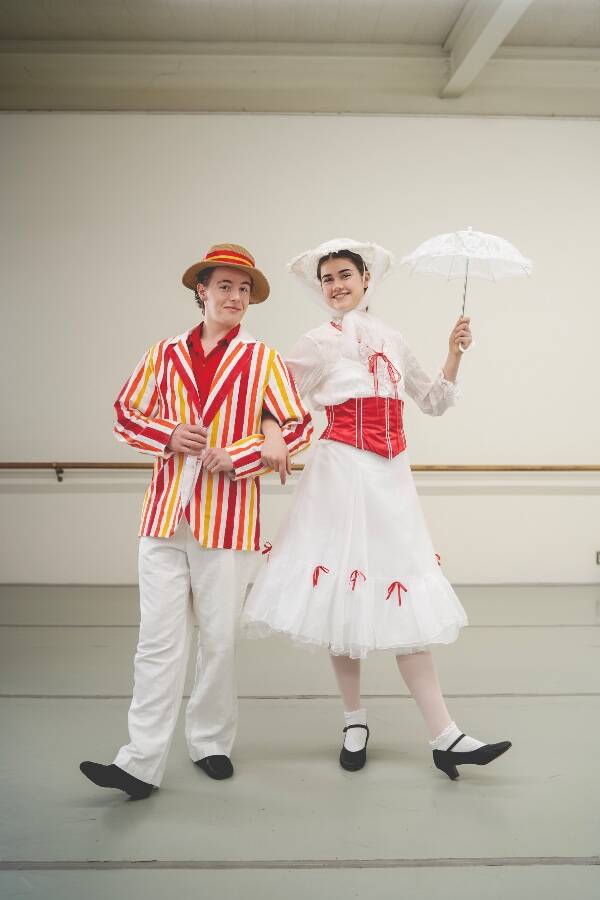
(465, 287)
(460, 346)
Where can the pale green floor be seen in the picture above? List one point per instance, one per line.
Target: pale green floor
(291, 823)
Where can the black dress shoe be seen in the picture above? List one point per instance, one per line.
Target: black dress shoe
(353, 760)
(114, 777)
(447, 761)
(218, 767)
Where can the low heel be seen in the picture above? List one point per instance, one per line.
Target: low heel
(447, 760)
(440, 758)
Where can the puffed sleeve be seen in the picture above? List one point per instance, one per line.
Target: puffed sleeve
(433, 396)
(306, 363)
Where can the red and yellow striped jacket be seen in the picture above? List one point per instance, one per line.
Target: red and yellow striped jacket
(223, 510)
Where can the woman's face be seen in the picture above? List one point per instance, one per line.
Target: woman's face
(342, 284)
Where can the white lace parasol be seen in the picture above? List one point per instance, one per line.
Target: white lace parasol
(463, 253)
(468, 252)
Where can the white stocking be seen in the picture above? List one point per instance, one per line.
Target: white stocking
(347, 673)
(420, 674)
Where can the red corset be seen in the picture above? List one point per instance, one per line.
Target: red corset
(369, 423)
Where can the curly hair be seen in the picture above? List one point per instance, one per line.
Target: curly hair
(203, 278)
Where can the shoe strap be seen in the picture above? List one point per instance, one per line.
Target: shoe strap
(366, 727)
(455, 743)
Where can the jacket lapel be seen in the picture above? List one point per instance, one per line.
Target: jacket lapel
(236, 359)
(180, 357)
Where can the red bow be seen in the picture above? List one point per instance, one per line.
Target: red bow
(355, 576)
(317, 572)
(439, 559)
(396, 586)
(268, 547)
(393, 373)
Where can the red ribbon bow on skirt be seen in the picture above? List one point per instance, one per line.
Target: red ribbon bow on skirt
(396, 586)
(268, 547)
(355, 576)
(317, 572)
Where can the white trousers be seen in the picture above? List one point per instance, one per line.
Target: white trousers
(182, 583)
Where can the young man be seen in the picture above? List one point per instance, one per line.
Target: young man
(195, 402)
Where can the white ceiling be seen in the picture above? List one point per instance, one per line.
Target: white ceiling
(485, 57)
(412, 21)
(546, 23)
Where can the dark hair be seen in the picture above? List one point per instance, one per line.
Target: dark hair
(203, 278)
(343, 254)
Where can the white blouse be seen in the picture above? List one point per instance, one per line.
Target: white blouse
(330, 367)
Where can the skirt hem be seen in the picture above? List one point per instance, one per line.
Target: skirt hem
(253, 629)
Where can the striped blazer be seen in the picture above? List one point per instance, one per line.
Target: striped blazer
(223, 509)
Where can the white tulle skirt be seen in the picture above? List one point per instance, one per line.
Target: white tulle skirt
(353, 568)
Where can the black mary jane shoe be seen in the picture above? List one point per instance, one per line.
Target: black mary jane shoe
(114, 777)
(217, 767)
(353, 760)
(447, 761)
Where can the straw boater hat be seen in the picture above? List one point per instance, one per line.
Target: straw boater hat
(233, 256)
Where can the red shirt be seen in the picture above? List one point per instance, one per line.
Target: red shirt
(205, 366)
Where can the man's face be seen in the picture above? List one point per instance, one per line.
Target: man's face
(226, 296)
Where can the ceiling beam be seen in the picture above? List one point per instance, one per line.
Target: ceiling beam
(291, 79)
(479, 31)
(225, 48)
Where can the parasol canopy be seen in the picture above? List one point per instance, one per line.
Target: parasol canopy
(459, 254)
(463, 253)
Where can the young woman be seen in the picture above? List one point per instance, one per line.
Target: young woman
(353, 568)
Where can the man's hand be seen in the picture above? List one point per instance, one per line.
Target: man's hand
(274, 454)
(217, 460)
(274, 451)
(189, 439)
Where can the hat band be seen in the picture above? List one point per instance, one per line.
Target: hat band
(231, 257)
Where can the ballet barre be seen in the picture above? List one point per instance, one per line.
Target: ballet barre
(59, 468)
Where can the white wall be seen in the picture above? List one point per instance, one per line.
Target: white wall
(487, 529)
(102, 213)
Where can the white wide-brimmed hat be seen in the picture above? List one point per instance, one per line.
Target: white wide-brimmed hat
(379, 261)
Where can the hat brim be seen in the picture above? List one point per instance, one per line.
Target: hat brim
(305, 265)
(260, 286)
